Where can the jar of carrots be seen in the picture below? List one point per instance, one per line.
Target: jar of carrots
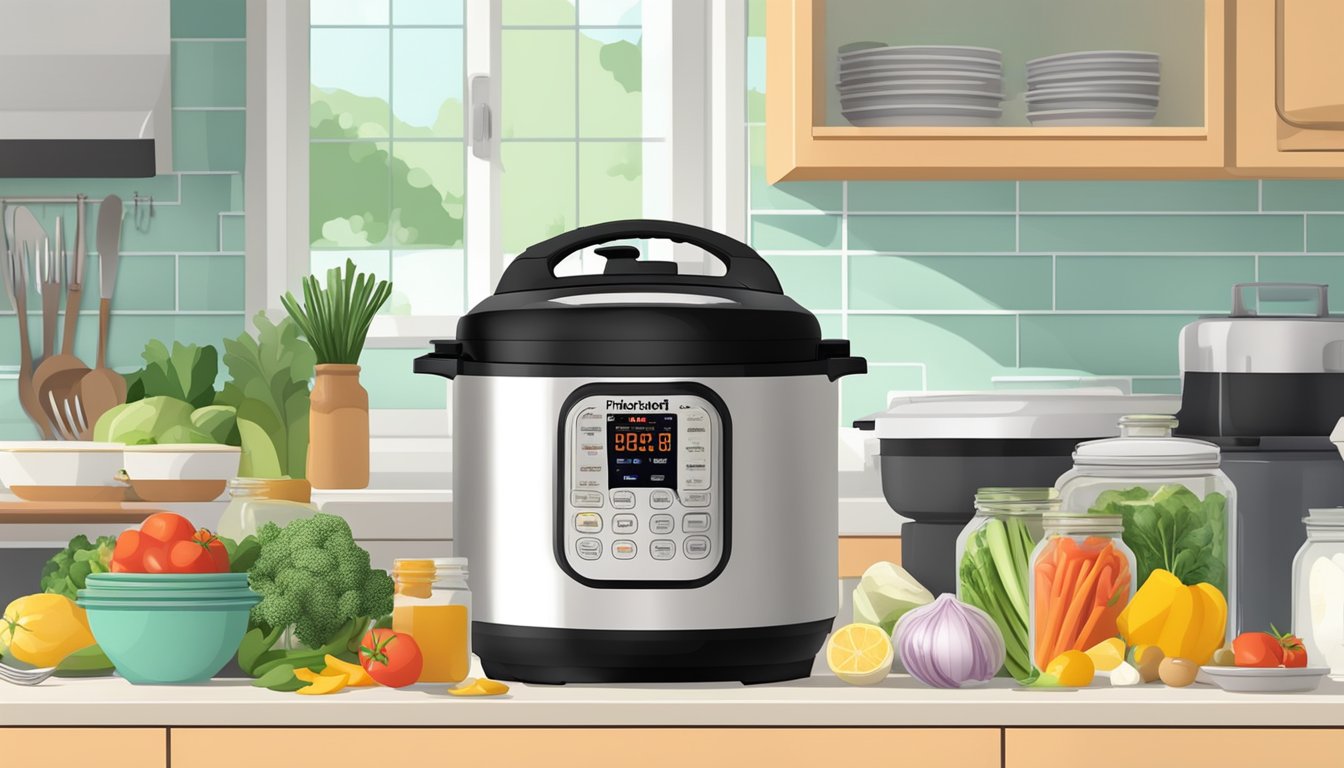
(1082, 576)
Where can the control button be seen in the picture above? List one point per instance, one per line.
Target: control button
(592, 449)
(695, 481)
(695, 498)
(663, 549)
(662, 524)
(696, 547)
(589, 548)
(585, 498)
(588, 522)
(660, 498)
(623, 549)
(624, 524)
(623, 499)
(695, 523)
(591, 416)
(694, 416)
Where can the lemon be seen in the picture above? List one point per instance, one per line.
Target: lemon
(1108, 654)
(1072, 669)
(859, 654)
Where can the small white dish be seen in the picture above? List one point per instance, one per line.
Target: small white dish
(1099, 76)
(1264, 679)
(1084, 55)
(185, 461)
(60, 465)
(860, 50)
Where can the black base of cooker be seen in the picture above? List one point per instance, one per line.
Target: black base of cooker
(1260, 404)
(557, 656)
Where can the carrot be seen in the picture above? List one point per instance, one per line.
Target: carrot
(1081, 595)
(1045, 640)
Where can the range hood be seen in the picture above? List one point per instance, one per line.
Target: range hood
(84, 88)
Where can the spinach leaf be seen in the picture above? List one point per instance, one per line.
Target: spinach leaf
(1173, 529)
(187, 372)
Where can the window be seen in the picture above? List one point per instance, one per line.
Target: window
(589, 115)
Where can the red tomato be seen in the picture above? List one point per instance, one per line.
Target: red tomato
(167, 527)
(1257, 649)
(156, 559)
(204, 553)
(1294, 652)
(391, 658)
(129, 554)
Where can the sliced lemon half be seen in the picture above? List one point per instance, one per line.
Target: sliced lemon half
(859, 654)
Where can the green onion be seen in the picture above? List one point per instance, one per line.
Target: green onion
(993, 578)
(336, 319)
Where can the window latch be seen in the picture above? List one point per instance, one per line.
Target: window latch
(482, 119)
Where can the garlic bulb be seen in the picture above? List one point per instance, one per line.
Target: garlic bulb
(948, 644)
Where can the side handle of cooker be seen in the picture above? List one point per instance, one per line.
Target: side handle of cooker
(444, 361)
(839, 362)
(534, 268)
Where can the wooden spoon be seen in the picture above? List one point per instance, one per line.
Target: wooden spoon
(57, 377)
(103, 389)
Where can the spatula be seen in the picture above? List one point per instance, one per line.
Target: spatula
(103, 388)
(57, 377)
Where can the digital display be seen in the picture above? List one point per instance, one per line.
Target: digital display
(641, 449)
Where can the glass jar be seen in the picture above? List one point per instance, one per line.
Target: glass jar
(256, 501)
(1082, 577)
(1179, 508)
(1318, 590)
(993, 566)
(433, 605)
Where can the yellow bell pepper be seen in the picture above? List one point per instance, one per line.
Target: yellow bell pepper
(43, 629)
(1185, 622)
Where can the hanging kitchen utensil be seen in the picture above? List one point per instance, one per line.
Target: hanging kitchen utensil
(27, 232)
(57, 377)
(103, 388)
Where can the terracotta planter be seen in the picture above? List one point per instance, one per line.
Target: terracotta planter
(338, 429)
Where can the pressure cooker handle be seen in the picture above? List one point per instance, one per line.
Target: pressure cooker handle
(1279, 292)
(534, 268)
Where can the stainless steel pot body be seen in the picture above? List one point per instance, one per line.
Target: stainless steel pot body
(780, 569)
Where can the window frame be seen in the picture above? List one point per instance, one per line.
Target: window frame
(705, 143)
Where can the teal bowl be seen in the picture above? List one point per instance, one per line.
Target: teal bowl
(169, 581)
(158, 642)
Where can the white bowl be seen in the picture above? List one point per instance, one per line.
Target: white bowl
(184, 461)
(36, 463)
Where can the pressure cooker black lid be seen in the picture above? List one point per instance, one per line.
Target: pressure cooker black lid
(639, 313)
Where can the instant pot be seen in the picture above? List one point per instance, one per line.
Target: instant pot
(645, 466)
(1268, 388)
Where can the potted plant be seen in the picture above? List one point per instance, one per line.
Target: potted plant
(335, 320)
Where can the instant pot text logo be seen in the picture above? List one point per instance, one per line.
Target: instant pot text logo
(637, 405)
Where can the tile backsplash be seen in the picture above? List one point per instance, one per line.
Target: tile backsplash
(950, 284)
(181, 272)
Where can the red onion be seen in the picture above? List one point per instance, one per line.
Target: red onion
(949, 644)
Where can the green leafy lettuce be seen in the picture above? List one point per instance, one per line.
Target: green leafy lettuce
(65, 572)
(1173, 529)
(268, 388)
(187, 373)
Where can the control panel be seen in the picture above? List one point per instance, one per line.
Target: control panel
(643, 487)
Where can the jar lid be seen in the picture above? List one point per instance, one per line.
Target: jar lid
(1328, 517)
(1083, 522)
(1017, 501)
(1145, 441)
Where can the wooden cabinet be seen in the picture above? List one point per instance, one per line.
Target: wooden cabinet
(1289, 96)
(1248, 88)
(588, 747)
(806, 138)
(1129, 747)
(103, 747)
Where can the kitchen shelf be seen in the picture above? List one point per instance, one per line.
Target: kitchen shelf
(805, 142)
(54, 512)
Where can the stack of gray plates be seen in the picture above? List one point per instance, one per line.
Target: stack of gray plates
(1093, 88)
(955, 85)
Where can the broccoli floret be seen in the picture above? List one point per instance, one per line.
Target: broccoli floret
(312, 575)
(64, 574)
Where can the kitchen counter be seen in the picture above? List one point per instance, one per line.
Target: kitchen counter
(819, 701)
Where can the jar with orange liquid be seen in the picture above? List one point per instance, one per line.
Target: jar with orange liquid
(1082, 577)
(433, 605)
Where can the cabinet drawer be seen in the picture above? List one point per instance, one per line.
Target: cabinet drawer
(1311, 93)
(108, 747)
(1128, 747)
(590, 747)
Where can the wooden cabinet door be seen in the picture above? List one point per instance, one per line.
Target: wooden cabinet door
(103, 747)
(1289, 100)
(1130, 747)
(589, 747)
